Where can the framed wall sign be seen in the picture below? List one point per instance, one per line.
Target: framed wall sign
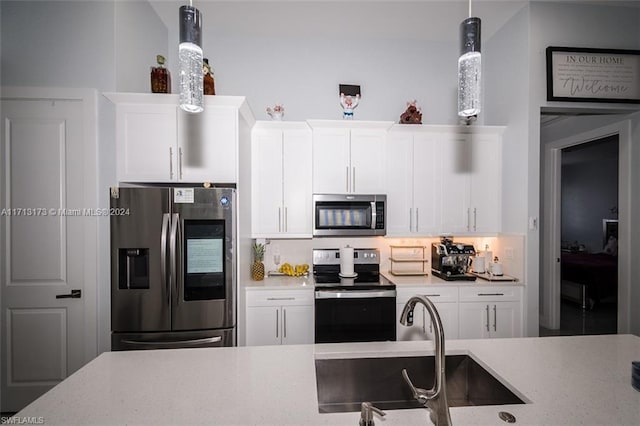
(593, 75)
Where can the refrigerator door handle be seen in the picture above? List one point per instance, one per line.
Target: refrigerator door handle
(173, 256)
(163, 256)
(174, 342)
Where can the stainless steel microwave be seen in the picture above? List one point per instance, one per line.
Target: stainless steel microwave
(349, 215)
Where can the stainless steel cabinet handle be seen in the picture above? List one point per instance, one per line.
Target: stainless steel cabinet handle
(180, 162)
(424, 328)
(279, 219)
(347, 178)
(468, 220)
(474, 218)
(75, 294)
(431, 295)
(170, 163)
(277, 323)
(487, 317)
(417, 219)
(353, 179)
(286, 220)
(284, 323)
(281, 298)
(495, 318)
(490, 294)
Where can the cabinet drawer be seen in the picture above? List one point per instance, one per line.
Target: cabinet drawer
(490, 293)
(279, 297)
(435, 294)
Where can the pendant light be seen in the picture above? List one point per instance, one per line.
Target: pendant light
(469, 66)
(190, 57)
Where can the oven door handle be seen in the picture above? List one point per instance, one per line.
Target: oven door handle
(354, 294)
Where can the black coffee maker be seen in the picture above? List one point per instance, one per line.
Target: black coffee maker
(450, 261)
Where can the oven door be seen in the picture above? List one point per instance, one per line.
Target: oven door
(355, 316)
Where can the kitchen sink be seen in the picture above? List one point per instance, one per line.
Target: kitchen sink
(343, 384)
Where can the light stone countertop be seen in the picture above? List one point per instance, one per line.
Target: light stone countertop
(567, 381)
(420, 281)
(281, 282)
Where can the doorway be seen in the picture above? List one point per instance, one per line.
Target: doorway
(589, 238)
(571, 234)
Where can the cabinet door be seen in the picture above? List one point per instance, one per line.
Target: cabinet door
(486, 183)
(427, 182)
(399, 176)
(267, 205)
(418, 331)
(297, 187)
(264, 325)
(449, 316)
(331, 167)
(457, 166)
(475, 320)
(367, 161)
(297, 325)
(207, 145)
(146, 143)
(505, 319)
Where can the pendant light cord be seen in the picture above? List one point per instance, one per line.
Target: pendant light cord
(469, 8)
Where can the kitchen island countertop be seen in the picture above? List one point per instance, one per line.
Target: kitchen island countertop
(566, 380)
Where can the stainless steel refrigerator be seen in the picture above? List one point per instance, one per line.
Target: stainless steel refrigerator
(173, 267)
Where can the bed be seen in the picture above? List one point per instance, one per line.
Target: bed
(588, 278)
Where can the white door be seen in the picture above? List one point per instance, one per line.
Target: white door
(147, 150)
(264, 325)
(207, 145)
(457, 165)
(426, 183)
(48, 163)
(506, 319)
(267, 214)
(449, 316)
(475, 320)
(486, 183)
(297, 187)
(399, 178)
(367, 161)
(297, 325)
(331, 166)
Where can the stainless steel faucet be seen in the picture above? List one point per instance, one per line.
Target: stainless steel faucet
(435, 399)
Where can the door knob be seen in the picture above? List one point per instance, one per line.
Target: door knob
(75, 294)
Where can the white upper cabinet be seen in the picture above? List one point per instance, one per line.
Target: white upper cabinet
(158, 142)
(281, 180)
(348, 156)
(470, 185)
(412, 177)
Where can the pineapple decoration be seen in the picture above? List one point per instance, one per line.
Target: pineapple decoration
(257, 268)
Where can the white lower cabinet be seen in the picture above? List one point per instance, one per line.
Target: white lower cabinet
(444, 298)
(279, 317)
(490, 312)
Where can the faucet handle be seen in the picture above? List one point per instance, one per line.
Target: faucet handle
(366, 415)
(418, 393)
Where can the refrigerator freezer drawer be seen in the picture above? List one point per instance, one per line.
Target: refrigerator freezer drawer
(173, 340)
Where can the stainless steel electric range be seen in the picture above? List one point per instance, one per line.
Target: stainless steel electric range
(358, 309)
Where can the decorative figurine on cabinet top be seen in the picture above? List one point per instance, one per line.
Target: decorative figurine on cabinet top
(412, 115)
(348, 103)
(208, 83)
(276, 113)
(349, 99)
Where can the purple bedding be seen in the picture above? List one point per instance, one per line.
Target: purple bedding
(598, 271)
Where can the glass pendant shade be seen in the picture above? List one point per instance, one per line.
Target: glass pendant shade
(190, 58)
(469, 66)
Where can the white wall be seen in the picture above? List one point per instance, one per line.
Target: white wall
(139, 36)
